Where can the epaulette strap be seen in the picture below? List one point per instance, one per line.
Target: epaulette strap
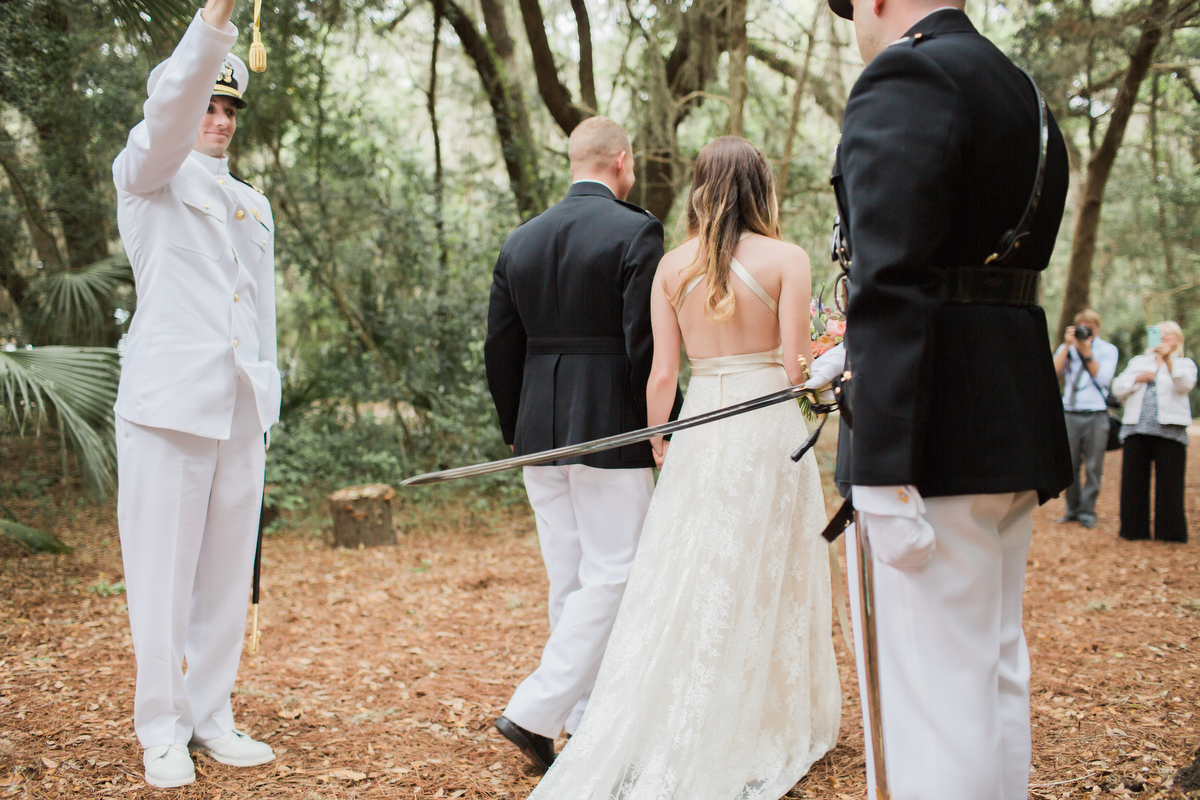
(636, 207)
(240, 179)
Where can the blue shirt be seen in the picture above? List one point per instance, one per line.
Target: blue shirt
(1079, 390)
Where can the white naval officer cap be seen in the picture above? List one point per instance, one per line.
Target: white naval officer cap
(232, 79)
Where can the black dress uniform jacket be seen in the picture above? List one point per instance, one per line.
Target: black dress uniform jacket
(569, 345)
(938, 156)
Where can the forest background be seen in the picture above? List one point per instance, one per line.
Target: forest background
(399, 142)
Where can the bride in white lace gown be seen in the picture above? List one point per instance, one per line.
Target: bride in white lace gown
(719, 681)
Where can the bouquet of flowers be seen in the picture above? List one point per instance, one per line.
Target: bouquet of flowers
(826, 328)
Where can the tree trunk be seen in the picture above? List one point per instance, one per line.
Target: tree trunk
(797, 96)
(362, 516)
(1099, 167)
(738, 50)
(508, 108)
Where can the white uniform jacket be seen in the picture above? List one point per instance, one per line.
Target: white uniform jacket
(202, 248)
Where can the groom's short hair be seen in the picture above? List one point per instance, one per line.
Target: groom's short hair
(595, 142)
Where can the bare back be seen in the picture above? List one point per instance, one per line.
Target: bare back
(782, 272)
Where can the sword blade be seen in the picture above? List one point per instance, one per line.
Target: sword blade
(610, 442)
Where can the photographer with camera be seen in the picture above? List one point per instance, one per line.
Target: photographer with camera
(1087, 364)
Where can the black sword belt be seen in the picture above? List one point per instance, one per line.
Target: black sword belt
(990, 286)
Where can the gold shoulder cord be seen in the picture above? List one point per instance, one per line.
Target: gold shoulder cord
(258, 53)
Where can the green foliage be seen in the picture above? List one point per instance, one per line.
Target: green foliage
(102, 588)
(31, 539)
(73, 388)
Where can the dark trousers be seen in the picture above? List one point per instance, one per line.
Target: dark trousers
(1087, 434)
(1170, 462)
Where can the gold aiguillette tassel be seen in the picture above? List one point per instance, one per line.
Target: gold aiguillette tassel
(258, 53)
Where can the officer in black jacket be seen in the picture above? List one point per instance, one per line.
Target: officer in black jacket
(568, 357)
(957, 422)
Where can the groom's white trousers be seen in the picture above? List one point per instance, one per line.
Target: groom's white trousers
(187, 508)
(589, 521)
(954, 667)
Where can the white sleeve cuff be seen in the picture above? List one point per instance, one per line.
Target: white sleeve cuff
(890, 501)
(227, 34)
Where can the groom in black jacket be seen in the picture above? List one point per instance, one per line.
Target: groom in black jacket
(957, 422)
(568, 357)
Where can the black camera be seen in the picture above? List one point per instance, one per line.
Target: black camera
(1083, 332)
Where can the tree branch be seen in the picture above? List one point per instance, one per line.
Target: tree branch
(587, 76)
(555, 94)
(820, 87)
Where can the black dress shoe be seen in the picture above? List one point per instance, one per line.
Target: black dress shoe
(538, 749)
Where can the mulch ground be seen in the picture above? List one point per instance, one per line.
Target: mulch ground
(381, 670)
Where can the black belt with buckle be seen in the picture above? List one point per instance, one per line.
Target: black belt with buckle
(990, 286)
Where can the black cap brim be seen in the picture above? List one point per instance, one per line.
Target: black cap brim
(842, 8)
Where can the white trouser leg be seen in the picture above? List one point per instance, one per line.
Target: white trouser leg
(217, 621)
(167, 484)
(954, 670)
(589, 521)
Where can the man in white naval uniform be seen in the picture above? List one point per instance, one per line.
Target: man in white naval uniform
(199, 387)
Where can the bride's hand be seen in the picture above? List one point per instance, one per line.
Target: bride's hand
(659, 445)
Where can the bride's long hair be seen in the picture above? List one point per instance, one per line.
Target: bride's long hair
(732, 190)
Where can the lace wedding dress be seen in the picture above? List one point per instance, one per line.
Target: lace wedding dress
(719, 681)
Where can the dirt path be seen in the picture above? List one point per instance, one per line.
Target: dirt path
(381, 670)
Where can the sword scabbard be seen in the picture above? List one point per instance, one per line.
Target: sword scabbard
(866, 613)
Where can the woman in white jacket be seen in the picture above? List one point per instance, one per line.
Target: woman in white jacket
(1155, 388)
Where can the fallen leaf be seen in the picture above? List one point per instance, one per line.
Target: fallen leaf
(49, 763)
(293, 714)
(346, 774)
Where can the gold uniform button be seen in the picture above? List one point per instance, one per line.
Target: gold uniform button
(206, 205)
(241, 214)
(235, 298)
(264, 242)
(220, 181)
(235, 342)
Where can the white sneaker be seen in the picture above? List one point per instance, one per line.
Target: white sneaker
(168, 766)
(236, 749)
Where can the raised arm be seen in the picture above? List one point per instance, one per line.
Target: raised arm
(159, 144)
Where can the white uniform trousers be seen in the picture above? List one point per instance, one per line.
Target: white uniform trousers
(188, 508)
(954, 666)
(589, 521)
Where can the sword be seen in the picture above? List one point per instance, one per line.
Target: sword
(866, 614)
(632, 437)
(254, 634)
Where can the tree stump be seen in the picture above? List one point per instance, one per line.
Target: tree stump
(362, 516)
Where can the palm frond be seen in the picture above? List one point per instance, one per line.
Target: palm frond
(161, 21)
(76, 304)
(31, 538)
(74, 386)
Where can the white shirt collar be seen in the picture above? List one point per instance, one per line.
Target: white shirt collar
(217, 166)
(593, 180)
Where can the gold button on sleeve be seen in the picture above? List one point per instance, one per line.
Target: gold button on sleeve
(235, 297)
(235, 342)
(241, 214)
(220, 181)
